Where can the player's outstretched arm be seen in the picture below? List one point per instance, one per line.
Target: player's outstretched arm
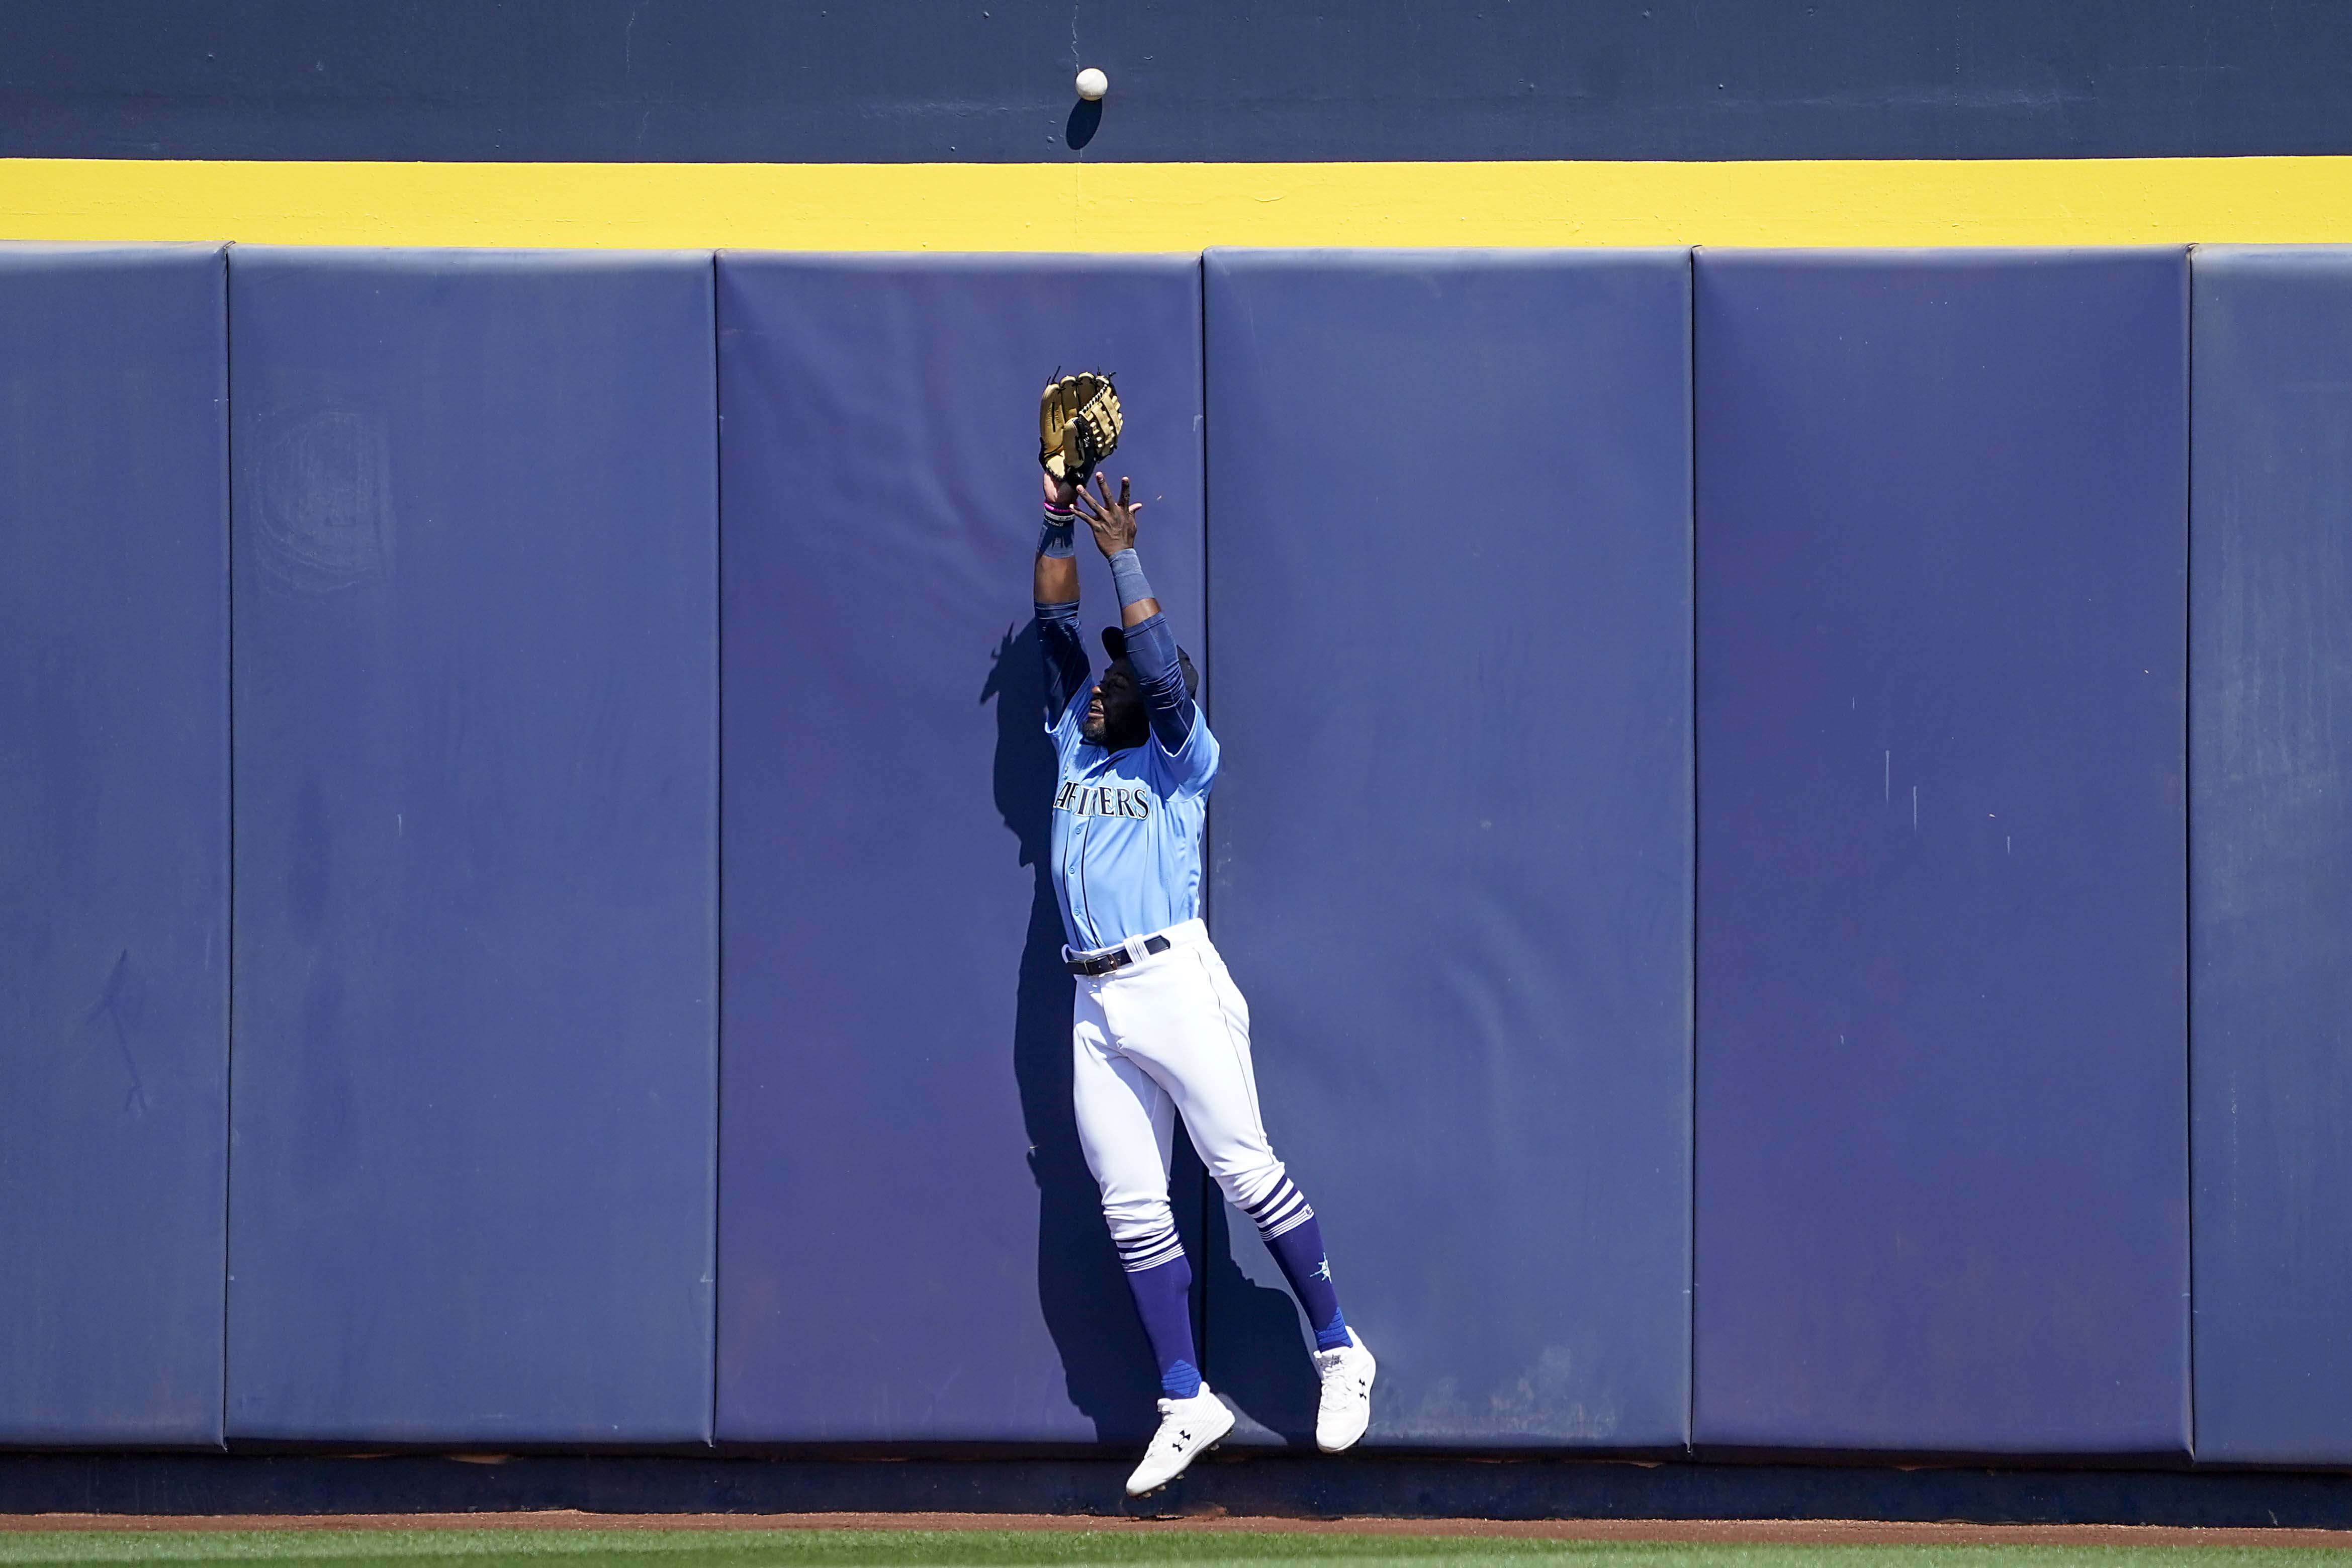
(1058, 559)
(1055, 580)
(1150, 645)
(1113, 525)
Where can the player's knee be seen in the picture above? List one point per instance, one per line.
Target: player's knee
(1271, 1200)
(1247, 1182)
(1139, 1219)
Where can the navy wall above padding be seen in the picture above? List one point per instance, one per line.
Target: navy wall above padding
(1942, 1180)
(113, 843)
(1452, 830)
(2271, 854)
(911, 1247)
(1192, 80)
(475, 525)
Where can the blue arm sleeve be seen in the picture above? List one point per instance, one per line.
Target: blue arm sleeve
(1065, 649)
(1151, 648)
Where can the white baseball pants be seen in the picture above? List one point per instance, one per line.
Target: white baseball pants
(1165, 1035)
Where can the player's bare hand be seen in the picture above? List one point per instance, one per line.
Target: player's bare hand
(1059, 493)
(1113, 522)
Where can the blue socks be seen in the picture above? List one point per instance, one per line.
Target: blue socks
(1163, 1300)
(1286, 1223)
(1160, 1278)
(1300, 1250)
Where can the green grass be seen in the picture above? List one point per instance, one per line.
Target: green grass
(995, 1548)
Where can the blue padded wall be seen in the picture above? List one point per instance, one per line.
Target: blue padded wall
(1942, 1180)
(911, 1248)
(1453, 833)
(475, 525)
(2271, 854)
(113, 843)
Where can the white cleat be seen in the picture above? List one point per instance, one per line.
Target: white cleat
(1347, 1404)
(1188, 1429)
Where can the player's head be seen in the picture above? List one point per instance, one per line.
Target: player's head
(1114, 717)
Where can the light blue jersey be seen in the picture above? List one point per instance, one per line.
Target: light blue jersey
(1127, 831)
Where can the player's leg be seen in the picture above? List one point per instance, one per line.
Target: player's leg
(1126, 1127)
(1181, 1018)
(1184, 1018)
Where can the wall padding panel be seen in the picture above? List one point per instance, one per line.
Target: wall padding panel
(1453, 835)
(113, 843)
(2271, 854)
(1942, 1180)
(475, 534)
(911, 1247)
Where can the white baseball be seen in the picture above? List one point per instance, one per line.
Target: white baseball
(1092, 84)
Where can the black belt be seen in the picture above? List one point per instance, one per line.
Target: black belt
(1118, 957)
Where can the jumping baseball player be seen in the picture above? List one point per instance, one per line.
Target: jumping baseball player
(1158, 1027)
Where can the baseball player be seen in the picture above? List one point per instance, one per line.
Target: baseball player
(1158, 1027)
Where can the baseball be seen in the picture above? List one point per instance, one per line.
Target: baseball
(1092, 84)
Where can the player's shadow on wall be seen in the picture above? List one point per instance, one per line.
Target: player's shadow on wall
(1106, 1363)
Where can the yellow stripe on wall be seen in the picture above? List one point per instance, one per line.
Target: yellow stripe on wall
(1183, 206)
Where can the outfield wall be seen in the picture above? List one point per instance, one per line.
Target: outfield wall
(522, 886)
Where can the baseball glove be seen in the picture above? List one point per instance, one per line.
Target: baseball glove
(1079, 426)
